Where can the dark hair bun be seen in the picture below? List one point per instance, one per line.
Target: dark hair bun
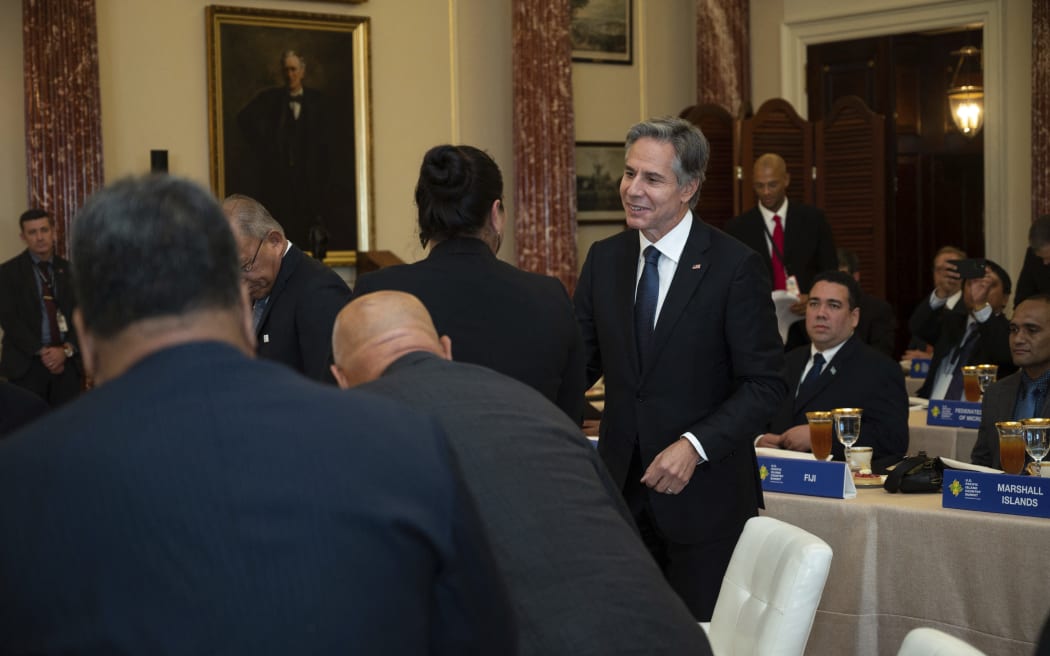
(457, 185)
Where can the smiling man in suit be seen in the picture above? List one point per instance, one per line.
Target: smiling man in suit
(36, 312)
(838, 370)
(679, 319)
(1023, 394)
(294, 298)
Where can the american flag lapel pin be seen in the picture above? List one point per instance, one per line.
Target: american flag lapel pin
(833, 372)
(696, 267)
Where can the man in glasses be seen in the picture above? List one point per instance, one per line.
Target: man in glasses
(294, 298)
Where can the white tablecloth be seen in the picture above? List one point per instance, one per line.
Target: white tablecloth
(901, 562)
(955, 443)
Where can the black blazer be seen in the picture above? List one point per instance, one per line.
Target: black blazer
(716, 371)
(877, 326)
(998, 405)
(20, 314)
(296, 326)
(516, 322)
(809, 248)
(945, 328)
(857, 377)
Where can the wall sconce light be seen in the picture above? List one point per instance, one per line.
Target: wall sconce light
(966, 92)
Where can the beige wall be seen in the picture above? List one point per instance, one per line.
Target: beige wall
(12, 130)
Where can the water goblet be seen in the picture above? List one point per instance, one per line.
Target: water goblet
(847, 427)
(1037, 441)
(986, 375)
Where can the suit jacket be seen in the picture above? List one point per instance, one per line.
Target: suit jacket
(529, 468)
(185, 508)
(20, 313)
(296, 325)
(877, 326)
(521, 324)
(945, 328)
(1034, 278)
(809, 248)
(998, 405)
(18, 407)
(857, 377)
(716, 371)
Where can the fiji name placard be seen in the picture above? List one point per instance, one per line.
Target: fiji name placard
(997, 493)
(809, 477)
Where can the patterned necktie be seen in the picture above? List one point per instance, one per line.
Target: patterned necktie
(813, 374)
(1027, 406)
(50, 308)
(645, 302)
(779, 275)
(257, 312)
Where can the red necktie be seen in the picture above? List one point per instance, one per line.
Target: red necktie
(50, 306)
(779, 276)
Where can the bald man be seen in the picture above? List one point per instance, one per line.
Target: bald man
(793, 241)
(580, 579)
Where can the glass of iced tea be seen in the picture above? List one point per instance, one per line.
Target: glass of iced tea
(1011, 446)
(971, 386)
(820, 433)
(986, 375)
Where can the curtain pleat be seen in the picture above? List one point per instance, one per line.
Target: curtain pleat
(723, 61)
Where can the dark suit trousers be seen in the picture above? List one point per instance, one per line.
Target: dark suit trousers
(687, 567)
(55, 389)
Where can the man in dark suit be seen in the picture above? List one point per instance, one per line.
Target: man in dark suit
(793, 241)
(40, 350)
(294, 298)
(293, 142)
(692, 362)
(837, 370)
(1023, 394)
(562, 536)
(201, 501)
(975, 331)
(1035, 272)
(877, 326)
(947, 292)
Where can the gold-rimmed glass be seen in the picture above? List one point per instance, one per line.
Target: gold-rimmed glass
(986, 375)
(820, 429)
(1037, 441)
(1011, 446)
(847, 427)
(971, 388)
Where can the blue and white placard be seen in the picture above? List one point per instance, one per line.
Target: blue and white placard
(997, 493)
(794, 475)
(961, 414)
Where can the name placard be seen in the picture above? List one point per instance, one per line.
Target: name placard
(919, 368)
(809, 477)
(997, 493)
(961, 414)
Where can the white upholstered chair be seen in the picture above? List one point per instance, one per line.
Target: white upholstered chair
(931, 642)
(770, 593)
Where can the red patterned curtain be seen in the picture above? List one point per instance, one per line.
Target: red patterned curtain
(63, 123)
(544, 132)
(723, 61)
(1040, 107)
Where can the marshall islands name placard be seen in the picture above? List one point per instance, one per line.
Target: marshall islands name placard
(997, 493)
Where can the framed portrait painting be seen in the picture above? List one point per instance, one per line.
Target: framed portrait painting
(290, 124)
(599, 167)
(601, 31)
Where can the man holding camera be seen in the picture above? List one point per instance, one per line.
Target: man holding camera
(973, 332)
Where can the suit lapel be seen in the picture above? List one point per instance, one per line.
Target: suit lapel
(692, 267)
(828, 375)
(624, 272)
(758, 236)
(288, 264)
(30, 295)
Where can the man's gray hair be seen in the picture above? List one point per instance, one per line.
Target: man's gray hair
(292, 53)
(690, 148)
(250, 217)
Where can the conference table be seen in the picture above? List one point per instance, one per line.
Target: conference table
(902, 561)
(948, 441)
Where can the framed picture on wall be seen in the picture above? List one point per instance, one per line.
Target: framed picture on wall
(601, 31)
(599, 167)
(290, 124)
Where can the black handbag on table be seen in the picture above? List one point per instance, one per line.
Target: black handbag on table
(916, 474)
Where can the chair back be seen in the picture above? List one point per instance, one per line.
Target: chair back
(770, 592)
(931, 642)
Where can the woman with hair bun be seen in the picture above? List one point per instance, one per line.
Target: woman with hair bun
(498, 316)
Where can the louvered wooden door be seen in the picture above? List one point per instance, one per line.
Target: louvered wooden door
(777, 128)
(719, 194)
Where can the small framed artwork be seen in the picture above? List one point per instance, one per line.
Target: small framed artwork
(599, 167)
(290, 123)
(601, 31)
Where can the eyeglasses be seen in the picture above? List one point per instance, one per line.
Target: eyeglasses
(247, 268)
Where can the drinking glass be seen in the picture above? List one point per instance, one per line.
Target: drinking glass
(971, 388)
(820, 433)
(1036, 441)
(1011, 446)
(847, 427)
(986, 375)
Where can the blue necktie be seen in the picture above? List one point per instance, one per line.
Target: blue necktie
(958, 357)
(813, 374)
(645, 302)
(257, 311)
(1026, 407)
